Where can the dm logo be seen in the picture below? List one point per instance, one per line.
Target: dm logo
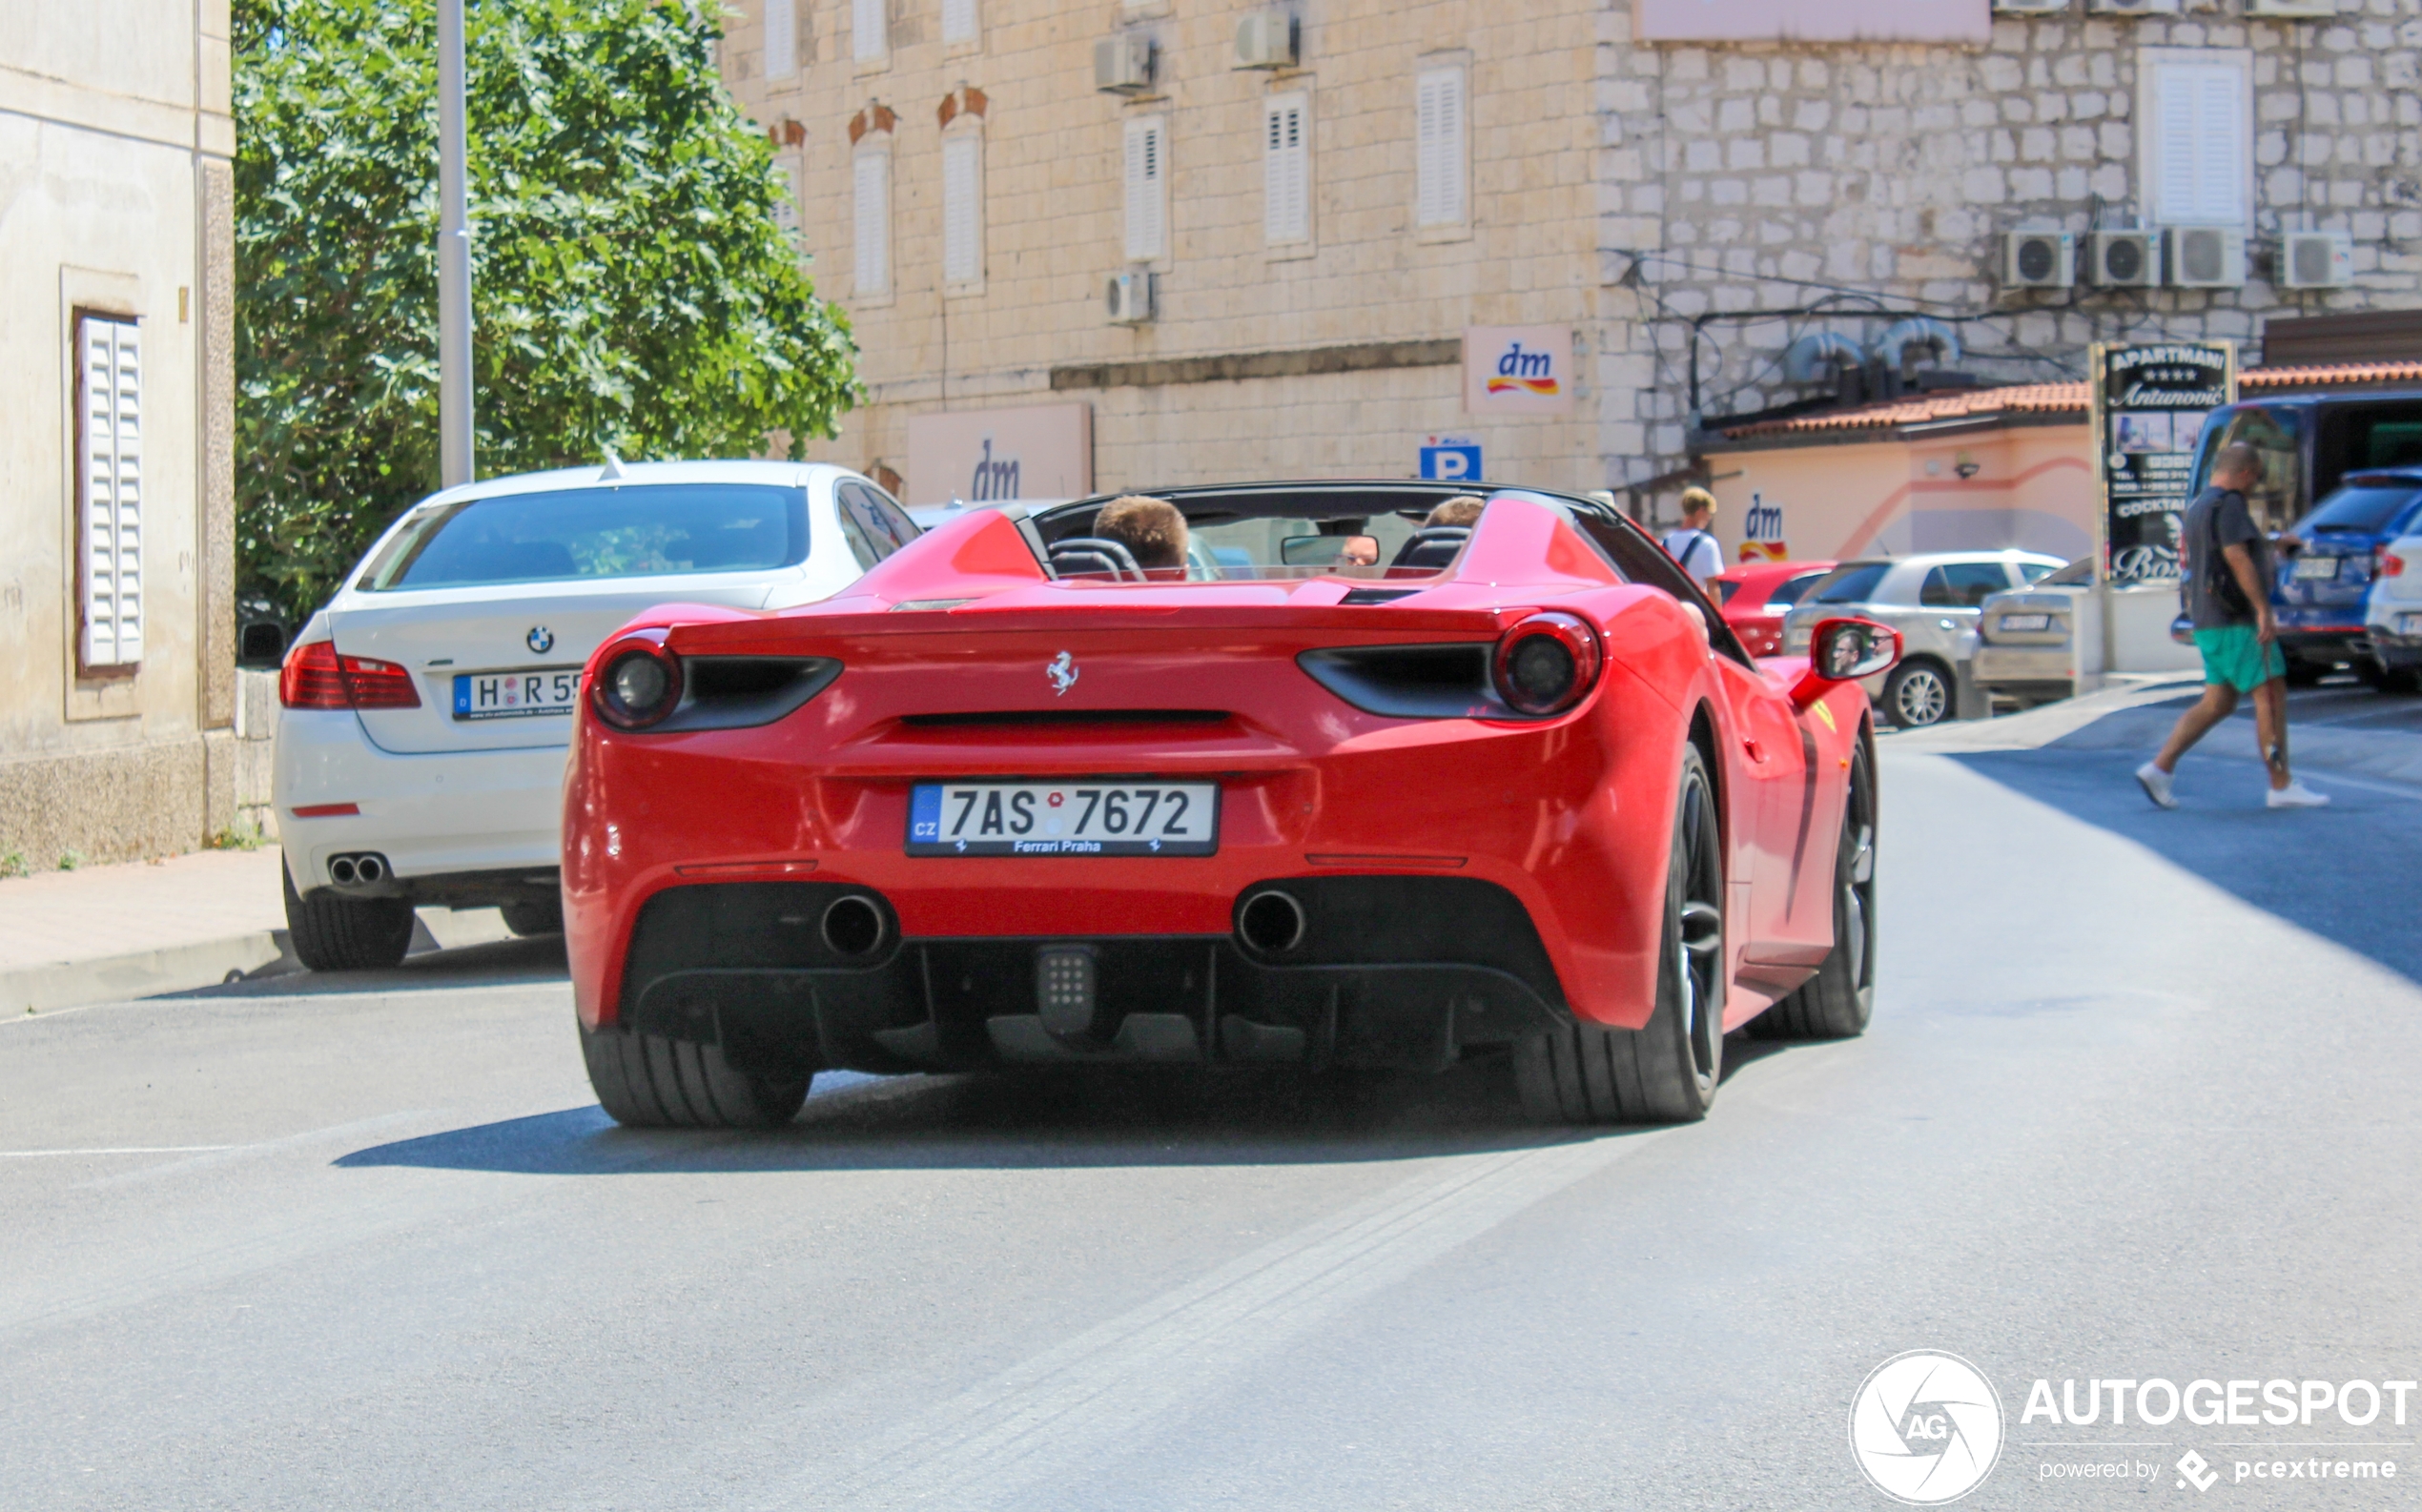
(1520, 372)
(1763, 531)
(1925, 1427)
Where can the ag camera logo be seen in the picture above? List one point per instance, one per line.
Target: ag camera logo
(1926, 1427)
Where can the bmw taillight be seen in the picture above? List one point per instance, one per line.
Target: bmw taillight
(1547, 663)
(317, 676)
(638, 685)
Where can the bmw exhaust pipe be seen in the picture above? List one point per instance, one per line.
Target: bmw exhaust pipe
(1270, 923)
(371, 869)
(340, 872)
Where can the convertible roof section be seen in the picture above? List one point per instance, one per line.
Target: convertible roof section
(1351, 495)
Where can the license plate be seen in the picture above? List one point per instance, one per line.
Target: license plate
(2409, 624)
(2024, 621)
(2310, 568)
(1064, 819)
(515, 695)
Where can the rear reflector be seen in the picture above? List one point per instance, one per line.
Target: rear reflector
(326, 811)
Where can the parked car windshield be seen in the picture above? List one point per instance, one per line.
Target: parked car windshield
(2367, 504)
(2078, 573)
(1725, 588)
(1791, 590)
(635, 531)
(1851, 582)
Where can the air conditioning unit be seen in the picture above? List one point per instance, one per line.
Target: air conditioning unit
(1130, 297)
(1267, 39)
(2038, 259)
(2292, 10)
(2207, 257)
(2316, 259)
(2030, 7)
(2133, 8)
(1123, 64)
(2126, 259)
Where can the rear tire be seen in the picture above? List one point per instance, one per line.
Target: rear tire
(332, 934)
(1838, 1002)
(1667, 1070)
(1918, 694)
(648, 1081)
(538, 916)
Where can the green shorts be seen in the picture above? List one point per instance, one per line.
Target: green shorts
(2231, 655)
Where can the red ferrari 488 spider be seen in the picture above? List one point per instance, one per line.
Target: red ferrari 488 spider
(1326, 785)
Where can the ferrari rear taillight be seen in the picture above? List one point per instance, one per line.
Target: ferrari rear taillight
(1547, 663)
(638, 685)
(317, 676)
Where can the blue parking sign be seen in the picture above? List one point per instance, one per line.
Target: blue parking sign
(1449, 459)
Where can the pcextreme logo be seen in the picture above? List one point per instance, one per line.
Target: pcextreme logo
(1925, 1427)
(1526, 372)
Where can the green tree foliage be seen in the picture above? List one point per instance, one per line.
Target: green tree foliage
(633, 289)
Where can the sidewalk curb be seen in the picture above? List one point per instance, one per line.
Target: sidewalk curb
(143, 974)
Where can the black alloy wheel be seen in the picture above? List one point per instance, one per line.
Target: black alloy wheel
(1838, 1002)
(1918, 694)
(1667, 1070)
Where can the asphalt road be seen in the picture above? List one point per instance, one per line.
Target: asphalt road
(2139, 1102)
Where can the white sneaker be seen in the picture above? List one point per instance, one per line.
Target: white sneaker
(2156, 785)
(2296, 795)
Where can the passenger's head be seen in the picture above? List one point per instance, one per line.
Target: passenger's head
(1462, 512)
(1151, 529)
(1698, 507)
(2239, 466)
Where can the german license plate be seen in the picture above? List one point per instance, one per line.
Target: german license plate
(2024, 621)
(2311, 568)
(515, 695)
(2409, 624)
(1064, 819)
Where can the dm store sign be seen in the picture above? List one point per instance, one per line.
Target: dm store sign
(1518, 370)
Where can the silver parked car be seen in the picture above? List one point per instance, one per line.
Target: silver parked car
(1933, 600)
(2027, 638)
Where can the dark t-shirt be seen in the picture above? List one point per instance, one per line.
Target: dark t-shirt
(2218, 518)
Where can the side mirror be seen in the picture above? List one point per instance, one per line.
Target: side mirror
(1845, 651)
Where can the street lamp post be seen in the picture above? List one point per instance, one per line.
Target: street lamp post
(454, 258)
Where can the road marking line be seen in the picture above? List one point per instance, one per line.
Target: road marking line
(1012, 1431)
(124, 1150)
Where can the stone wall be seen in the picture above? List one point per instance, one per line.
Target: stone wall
(1878, 180)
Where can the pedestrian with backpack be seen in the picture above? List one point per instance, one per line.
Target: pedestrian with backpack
(1691, 545)
(2224, 579)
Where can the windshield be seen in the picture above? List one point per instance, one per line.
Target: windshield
(2370, 506)
(2077, 573)
(1725, 587)
(1792, 590)
(1852, 583)
(637, 531)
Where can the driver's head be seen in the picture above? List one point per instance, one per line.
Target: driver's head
(1151, 529)
(1463, 512)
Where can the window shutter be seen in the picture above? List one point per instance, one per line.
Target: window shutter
(1286, 172)
(958, 21)
(872, 211)
(113, 607)
(2200, 144)
(870, 32)
(1146, 170)
(782, 39)
(963, 209)
(1439, 111)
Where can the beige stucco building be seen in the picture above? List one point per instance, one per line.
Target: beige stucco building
(118, 684)
(1683, 189)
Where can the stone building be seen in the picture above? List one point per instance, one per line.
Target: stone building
(1340, 243)
(117, 688)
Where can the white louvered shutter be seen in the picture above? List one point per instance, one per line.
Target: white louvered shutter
(1147, 167)
(1286, 211)
(113, 356)
(872, 197)
(2200, 144)
(782, 39)
(869, 31)
(963, 209)
(958, 21)
(1439, 136)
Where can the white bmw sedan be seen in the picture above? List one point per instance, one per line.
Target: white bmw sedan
(419, 756)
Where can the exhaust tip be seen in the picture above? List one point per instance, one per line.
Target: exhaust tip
(370, 869)
(340, 872)
(1271, 923)
(853, 926)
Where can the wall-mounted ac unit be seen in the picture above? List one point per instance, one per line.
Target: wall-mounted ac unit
(1129, 296)
(2315, 259)
(2030, 7)
(2306, 9)
(2126, 259)
(1123, 64)
(1267, 39)
(2207, 257)
(2133, 8)
(2038, 259)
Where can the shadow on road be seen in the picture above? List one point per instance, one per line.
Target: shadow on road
(1050, 1119)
